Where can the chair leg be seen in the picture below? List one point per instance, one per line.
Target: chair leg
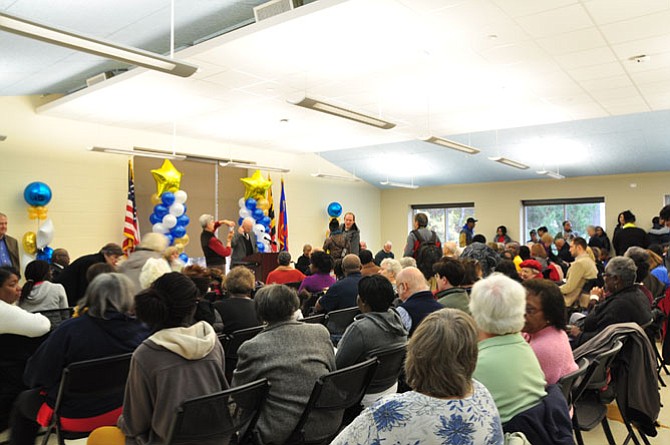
(575, 428)
(608, 432)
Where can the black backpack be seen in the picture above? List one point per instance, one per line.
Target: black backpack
(426, 253)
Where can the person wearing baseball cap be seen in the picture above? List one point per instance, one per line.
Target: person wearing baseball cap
(467, 232)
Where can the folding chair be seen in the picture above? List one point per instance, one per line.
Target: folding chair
(232, 344)
(57, 316)
(589, 410)
(338, 321)
(98, 378)
(333, 393)
(391, 360)
(315, 319)
(221, 415)
(569, 384)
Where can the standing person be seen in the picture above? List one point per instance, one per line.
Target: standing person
(467, 232)
(337, 244)
(534, 239)
(423, 245)
(629, 235)
(244, 242)
(39, 294)
(352, 233)
(567, 234)
(384, 253)
(214, 250)
(73, 278)
(60, 259)
(302, 264)
(604, 240)
(9, 247)
(179, 361)
(501, 235)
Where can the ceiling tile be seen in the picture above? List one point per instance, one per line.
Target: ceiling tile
(648, 46)
(597, 72)
(589, 57)
(569, 42)
(625, 106)
(642, 77)
(607, 83)
(629, 92)
(556, 21)
(637, 28)
(518, 8)
(608, 11)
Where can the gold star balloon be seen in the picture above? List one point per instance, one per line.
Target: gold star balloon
(168, 178)
(256, 186)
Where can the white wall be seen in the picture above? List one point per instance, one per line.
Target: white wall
(90, 188)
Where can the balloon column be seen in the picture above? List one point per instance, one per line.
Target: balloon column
(36, 245)
(254, 204)
(169, 215)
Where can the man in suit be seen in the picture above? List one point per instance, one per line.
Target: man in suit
(9, 247)
(244, 242)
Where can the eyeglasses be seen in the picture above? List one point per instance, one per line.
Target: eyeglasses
(530, 310)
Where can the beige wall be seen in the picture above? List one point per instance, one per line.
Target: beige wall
(89, 189)
(499, 203)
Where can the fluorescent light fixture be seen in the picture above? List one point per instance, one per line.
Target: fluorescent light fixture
(91, 45)
(509, 162)
(336, 177)
(253, 165)
(145, 153)
(451, 144)
(399, 184)
(551, 174)
(313, 104)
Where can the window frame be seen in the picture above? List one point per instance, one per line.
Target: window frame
(565, 202)
(417, 208)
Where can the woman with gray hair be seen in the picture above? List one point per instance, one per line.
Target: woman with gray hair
(507, 365)
(291, 355)
(445, 405)
(105, 328)
(624, 304)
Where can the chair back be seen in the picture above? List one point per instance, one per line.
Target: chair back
(57, 316)
(570, 382)
(338, 321)
(601, 365)
(391, 360)
(218, 416)
(333, 393)
(294, 284)
(315, 319)
(232, 344)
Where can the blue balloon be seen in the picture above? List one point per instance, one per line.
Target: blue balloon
(258, 214)
(261, 246)
(45, 254)
(183, 220)
(334, 209)
(240, 221)
(266, 221)
(37, 194)
(183, 257)
(167, 198)
(250, 204)
(178, 231)
(170, 238)
(154, 219)
(160, 211)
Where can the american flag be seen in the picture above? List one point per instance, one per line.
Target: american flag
(131, 229)
(273, 221)
(282, 224)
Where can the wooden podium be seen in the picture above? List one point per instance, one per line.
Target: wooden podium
(262, 264)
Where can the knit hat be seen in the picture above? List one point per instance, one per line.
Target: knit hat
(531, 264)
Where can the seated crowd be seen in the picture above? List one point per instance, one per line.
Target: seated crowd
(484, 327)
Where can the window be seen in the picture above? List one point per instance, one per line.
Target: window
(667, 200)
(445, 219)
(581, 212)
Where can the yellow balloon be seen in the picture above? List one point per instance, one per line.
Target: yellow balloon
(42, 213)
(256, 186)
(184, 240)
(29, 242)
(180, 247)
(168, 178)
(32, 213)
(155, 199)
(263, 204)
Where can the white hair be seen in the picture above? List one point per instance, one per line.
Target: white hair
(391, 265)
(498, 305)
(407, 261)
(152, 270)
(205, 219)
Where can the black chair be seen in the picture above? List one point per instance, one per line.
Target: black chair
(589, 409)
(100, 378)
(653, 330)
(333, 393)
(232, 343)
(391, 360)
(315, 319)
(569, 384)
(57, 316)
(221, 415)
(294, 285)
(338, 321)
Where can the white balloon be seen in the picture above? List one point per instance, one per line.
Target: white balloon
(242, 203)
(159, 228)
(45, 234)
(245, 213)
(259, 228)
(169, 221)
(180, 196)
(177, 209)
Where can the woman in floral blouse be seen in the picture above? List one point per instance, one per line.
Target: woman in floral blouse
(446, 405)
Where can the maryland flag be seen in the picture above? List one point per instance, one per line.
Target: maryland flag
(282, 224)
(273, 221)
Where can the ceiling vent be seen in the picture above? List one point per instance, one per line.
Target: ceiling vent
(274, 7)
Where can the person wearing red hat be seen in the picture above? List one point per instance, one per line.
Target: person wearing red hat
(530, 270)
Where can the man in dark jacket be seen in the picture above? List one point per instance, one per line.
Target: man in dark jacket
(343, 293)
(417, 299)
